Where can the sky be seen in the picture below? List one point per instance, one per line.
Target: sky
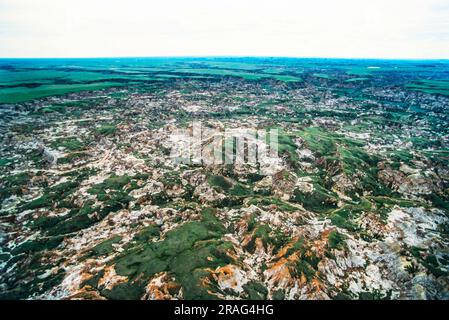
(411, 29)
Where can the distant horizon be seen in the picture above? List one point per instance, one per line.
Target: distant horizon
(222, 57)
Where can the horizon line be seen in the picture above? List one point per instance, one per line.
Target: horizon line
(225, 56)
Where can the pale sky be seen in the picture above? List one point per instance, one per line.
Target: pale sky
(298, 28)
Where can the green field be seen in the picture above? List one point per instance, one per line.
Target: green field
(20, 94)
(26, 79)
(431, 86)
